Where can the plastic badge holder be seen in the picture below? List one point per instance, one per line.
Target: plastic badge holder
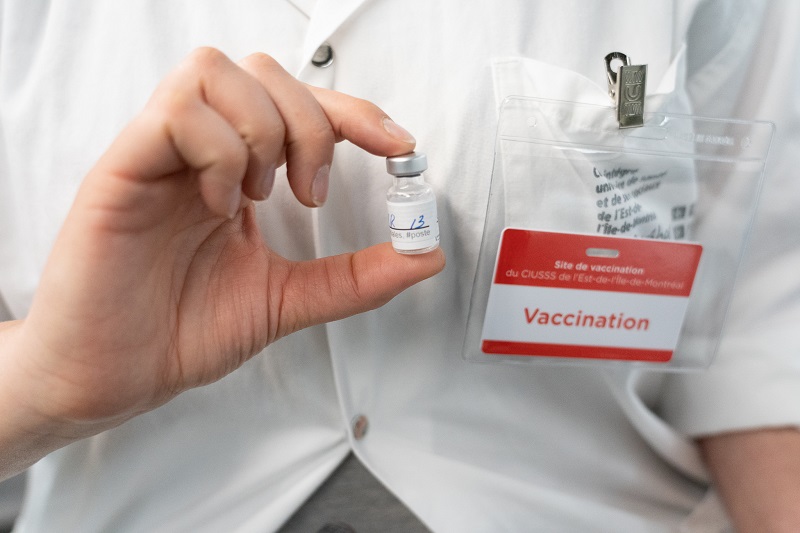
(674, 197)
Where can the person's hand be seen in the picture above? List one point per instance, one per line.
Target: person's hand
(160, 280)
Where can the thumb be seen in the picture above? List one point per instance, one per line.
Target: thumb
(336, 287)
(363, 123)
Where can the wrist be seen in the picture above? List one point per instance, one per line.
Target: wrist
(30, 427)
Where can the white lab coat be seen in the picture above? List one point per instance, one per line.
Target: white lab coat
(467, 447)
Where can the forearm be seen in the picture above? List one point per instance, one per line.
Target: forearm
(758, 477)
(25, 436)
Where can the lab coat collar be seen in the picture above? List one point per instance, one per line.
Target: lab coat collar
(326, 17)
(304, 6)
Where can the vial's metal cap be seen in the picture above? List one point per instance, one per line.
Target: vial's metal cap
(412, 164)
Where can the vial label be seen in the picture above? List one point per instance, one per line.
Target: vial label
(413, 225)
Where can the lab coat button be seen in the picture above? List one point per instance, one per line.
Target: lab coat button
(323, 57)
(360, 426)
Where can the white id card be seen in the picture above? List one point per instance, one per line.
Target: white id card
(588, 296)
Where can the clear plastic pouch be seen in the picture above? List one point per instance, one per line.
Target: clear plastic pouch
(674, 198)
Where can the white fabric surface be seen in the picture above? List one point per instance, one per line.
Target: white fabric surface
(467, 447)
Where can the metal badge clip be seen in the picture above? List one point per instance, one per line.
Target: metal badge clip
(626, 88)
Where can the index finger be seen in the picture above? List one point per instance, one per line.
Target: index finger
(363, 123)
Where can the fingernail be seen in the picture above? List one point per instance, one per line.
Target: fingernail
(319, 187)
(234, 201)
(397, 132)
(268, 181)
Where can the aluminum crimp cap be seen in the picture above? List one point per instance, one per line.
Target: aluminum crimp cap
(407, 165)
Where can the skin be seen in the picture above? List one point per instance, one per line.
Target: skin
(757, 474)
(160, 280)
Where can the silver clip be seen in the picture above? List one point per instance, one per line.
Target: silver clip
(626, 88)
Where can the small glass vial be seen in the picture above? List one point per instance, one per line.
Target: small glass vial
(413, 222)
